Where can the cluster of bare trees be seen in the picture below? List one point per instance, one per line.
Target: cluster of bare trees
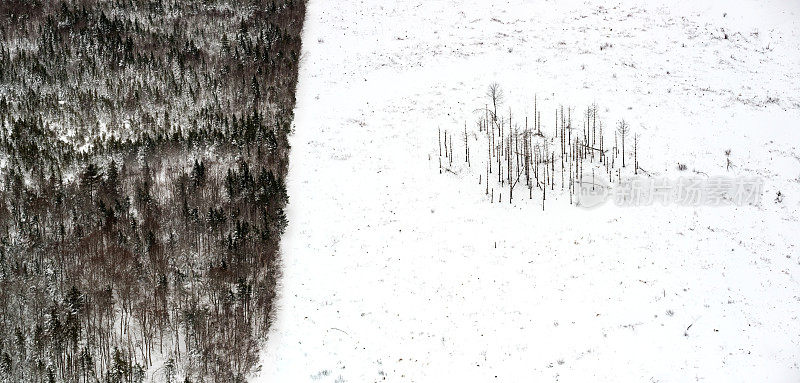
(525, 155)
(143, 151)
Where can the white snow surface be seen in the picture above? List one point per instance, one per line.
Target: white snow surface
(393, 272)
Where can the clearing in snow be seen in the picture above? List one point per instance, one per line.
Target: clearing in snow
(395, 272)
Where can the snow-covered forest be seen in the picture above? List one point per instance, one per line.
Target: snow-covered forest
(143, 153)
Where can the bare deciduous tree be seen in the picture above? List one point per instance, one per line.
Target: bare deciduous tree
(495, 94)
(624, 130)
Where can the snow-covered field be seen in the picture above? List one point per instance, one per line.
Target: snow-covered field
(394, 272)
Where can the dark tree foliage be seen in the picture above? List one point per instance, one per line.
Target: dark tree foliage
(143, 152)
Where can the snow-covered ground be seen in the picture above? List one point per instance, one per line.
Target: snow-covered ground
(395, 272)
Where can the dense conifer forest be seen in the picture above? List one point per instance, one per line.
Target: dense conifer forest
(143, 152)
